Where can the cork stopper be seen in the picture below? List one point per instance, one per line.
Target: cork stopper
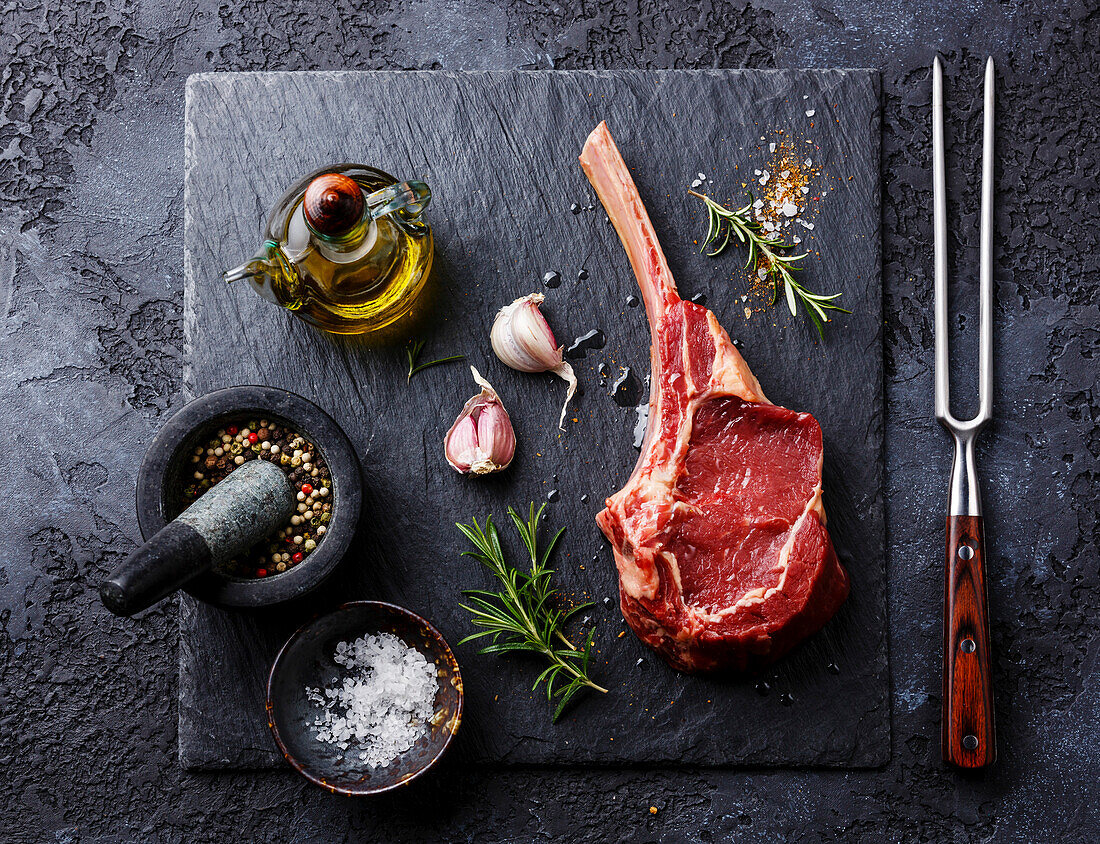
(333, 204)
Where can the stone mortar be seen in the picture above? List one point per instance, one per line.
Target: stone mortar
(166, 462)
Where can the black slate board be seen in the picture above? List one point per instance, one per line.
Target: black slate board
(499, 150)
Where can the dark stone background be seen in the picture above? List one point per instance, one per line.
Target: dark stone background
(91, 153)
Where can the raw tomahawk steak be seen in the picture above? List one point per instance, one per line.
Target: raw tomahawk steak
(719, 535)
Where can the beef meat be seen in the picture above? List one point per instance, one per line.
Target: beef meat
(719, 534)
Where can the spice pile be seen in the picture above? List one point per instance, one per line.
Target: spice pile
(259, 439)
(383, 705)
(783, 189)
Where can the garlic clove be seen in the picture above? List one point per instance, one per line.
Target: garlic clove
(481, 440)
(462, 444)
(492, 420)
(521, 336)
(496, 440)
(522, 339)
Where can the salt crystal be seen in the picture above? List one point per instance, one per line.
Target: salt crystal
(771, 147)
(785, 173)
(756, 172)
(702, 177)
(809, 163)
(696, 183)
(790, 209)
(809, 226)
(805, 96)
(796, 239)
(382, 705)
(810, 112)
(761, 274)
(804, 191)
(758, 204)
(764, 178)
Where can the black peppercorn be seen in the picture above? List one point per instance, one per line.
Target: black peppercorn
(239, 443)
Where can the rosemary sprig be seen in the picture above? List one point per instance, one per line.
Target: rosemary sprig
(523, 615)
(725, 224)
(412, 353)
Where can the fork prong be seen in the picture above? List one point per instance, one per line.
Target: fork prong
(939, 234)
(985, 388)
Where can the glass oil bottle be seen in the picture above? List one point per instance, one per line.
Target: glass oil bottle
(346, 249)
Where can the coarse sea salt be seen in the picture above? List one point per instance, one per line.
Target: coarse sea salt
(382, 705)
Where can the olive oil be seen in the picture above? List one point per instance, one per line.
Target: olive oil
(345, 249)
(362, 288)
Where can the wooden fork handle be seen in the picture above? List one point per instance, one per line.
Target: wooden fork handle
(967, 733)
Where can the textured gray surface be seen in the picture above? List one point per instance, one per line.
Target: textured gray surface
(90, 253)
(501, 158)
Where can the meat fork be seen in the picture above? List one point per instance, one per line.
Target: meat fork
(967, 736)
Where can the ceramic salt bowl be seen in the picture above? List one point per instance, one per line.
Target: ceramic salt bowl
(307, 660)
(167, 463)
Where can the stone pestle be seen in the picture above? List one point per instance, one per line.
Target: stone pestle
(228, 519)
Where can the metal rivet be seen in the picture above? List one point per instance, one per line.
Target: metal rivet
(967, 645)
(970, 742)
(965, 552)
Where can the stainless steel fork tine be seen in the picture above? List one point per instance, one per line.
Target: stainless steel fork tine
(967, 730)
(939, 236)
(985, 388)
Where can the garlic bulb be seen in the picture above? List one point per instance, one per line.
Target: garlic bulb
(522, 339)
(481, 440)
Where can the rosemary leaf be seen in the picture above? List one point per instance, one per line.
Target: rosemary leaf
(522, 616)
(766, 252)
(412, 354)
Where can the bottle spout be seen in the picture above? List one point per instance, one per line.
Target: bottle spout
(269, 276)
(257, 269)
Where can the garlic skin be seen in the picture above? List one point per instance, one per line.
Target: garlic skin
(522, 339)
(481, 440)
